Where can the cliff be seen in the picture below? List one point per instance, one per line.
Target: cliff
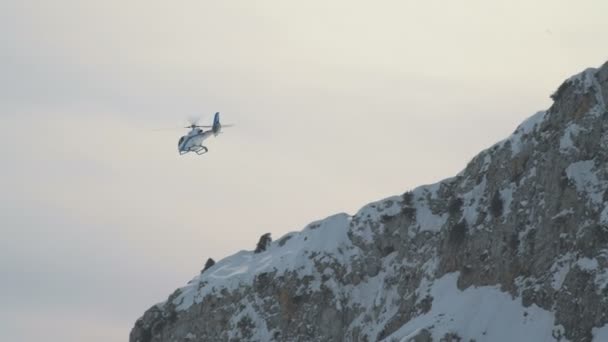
(514, 248)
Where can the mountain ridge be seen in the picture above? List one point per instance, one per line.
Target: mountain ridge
(524, 227)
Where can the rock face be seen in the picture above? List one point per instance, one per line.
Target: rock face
(514, 248)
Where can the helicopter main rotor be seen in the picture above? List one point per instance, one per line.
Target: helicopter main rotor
(193, 126)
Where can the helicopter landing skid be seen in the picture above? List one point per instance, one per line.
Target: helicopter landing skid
(196, 149)
(201, 150)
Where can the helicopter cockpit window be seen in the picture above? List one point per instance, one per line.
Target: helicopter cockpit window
(181, 140)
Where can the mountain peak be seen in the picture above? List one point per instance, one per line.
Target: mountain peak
(515, 247)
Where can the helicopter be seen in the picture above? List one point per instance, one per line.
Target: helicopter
(193, 141)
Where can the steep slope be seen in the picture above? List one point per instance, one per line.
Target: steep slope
(514, 248)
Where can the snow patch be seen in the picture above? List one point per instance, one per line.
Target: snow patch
(585, 78)
(560, 270)
(589, 83)
(480, 314)
(521, 248)
(507, 199)
(487, 160)
(586, 180)
(563, 213)
(527, 127)
(427, 221)
(374, 212)
(601, 281)
(600, 334)
(604, 216)
(260, 333)
(566, 143)
(586, 264)
(471, 200)
(601, 105)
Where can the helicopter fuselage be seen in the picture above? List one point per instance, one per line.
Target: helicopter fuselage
(193, 141)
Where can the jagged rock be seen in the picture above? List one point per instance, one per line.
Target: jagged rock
(263, 243)
(210, 262)
(514, 248)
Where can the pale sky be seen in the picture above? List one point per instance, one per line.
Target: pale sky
(336, 104)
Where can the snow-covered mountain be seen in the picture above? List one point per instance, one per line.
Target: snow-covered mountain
(514, 248)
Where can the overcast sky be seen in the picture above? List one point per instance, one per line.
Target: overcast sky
(336, 104)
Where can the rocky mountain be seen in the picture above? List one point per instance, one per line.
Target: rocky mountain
(514, 248)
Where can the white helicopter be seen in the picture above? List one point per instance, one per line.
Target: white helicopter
(193, 141)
